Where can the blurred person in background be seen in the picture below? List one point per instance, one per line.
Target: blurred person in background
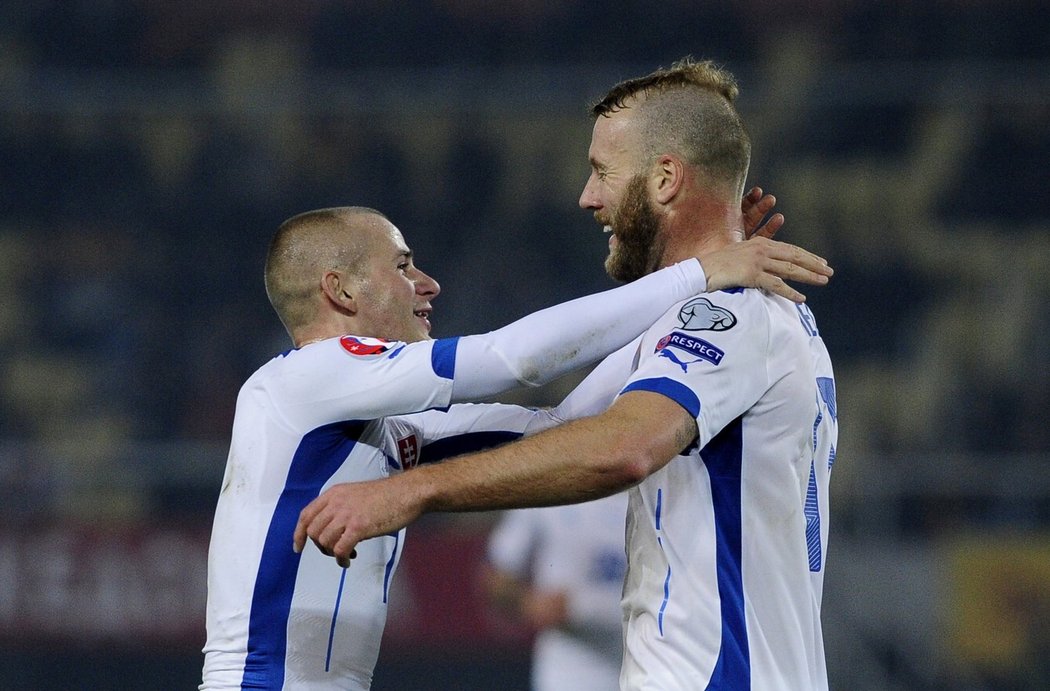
(345, 286)
(560, 571)
(723, 421)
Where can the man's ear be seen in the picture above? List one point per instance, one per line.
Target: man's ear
(338, 291)
(667, 178)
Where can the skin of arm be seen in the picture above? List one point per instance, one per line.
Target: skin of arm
(579, 461)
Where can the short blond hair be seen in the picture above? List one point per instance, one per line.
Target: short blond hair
(302, 249)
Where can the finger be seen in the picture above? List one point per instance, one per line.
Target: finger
(754, 213)
(793, 254)
(329, 535)
(770, 227)
(345, 548)
(793, 271)
(766, 203)
(776, 285)
(306, 517)
(752, 210)
(321, 548)
(345, 561)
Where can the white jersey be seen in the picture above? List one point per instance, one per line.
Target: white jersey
(313, 417)
(726, 543)
(307, 419)
(578, 550)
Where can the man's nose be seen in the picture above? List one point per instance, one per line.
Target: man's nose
(427, 286)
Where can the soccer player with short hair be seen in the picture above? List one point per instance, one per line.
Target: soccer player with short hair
(346, 287)
(723, 422)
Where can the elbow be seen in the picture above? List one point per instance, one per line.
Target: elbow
(631, 462)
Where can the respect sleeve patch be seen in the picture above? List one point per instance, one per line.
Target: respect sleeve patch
(692, 345)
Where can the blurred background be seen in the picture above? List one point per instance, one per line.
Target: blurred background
(149, 148)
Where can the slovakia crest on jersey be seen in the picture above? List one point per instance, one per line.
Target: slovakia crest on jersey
(363, 345)
(408, 451)
(699, 314)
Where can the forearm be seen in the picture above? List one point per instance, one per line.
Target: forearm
(579, 461)
(554, 467)
(547, 344)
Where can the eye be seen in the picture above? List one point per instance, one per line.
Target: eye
(403, 267)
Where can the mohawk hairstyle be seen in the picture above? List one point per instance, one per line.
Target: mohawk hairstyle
(687, 110)
(683, 73)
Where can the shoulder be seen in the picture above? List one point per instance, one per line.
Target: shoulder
(726, 315)
(311, 370)
(729, 332)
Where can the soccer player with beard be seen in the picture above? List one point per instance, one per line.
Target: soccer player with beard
(342, 280)
(723, 421)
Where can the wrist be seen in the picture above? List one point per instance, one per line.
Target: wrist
(696, 274)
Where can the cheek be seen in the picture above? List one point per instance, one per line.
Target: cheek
(613, 196)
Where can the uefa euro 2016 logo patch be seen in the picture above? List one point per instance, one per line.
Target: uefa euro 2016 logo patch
(703, 350)
(700, 315)
(363, 345)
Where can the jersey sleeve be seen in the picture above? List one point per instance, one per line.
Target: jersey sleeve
(358, 378)
(709, 355)
(599, 389)
(547, 344)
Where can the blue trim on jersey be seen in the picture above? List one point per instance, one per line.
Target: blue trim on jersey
(335, 618)
(826, 386)
(319, 455)
(809, 322)
(390, 564)
(443, 357)
(660, 541)
(457, 444)
(675, 390)
(723, 457)
(812, 513)
(816, 425)
(667, 597)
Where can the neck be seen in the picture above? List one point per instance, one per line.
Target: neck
(321, 331)
(701, 227)
(299, 343)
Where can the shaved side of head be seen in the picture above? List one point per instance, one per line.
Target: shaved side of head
(305, 247)
(688, 110)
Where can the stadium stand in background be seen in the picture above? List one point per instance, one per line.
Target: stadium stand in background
(149, 149)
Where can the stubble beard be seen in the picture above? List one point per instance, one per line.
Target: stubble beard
(639, 244)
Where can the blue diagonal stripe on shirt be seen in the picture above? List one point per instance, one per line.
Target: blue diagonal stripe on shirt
(723, 457)
(319, 455)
